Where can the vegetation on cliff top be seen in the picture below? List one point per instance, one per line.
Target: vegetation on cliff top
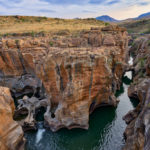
(25, 24)
(137, 26)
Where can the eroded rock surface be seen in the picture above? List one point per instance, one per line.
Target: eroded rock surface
(138, 130)
(11, 133)
(27, 110)
(76, 73)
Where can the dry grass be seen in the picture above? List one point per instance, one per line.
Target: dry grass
(24, 24)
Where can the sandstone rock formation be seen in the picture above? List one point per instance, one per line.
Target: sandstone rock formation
(76, 74)
(27, 109)
(138, 130)
(11, 134)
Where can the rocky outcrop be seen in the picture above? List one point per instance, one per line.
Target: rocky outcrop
(76, 74)
(138, 130)
(11, 134)
(27, 110)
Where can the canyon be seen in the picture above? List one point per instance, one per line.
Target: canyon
(63, 77)
(57, 79)
(138, 120)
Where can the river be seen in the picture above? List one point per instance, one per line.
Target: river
(105, 132)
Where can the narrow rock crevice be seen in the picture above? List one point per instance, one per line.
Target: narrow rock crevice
(60, 77)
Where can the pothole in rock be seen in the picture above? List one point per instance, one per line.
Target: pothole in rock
(39, 113)
(31, 101)
(28, 85)
(30, 111)
(20, 114)
(53, 115)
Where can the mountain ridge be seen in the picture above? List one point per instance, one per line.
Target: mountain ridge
(107, 18)
(145, 15)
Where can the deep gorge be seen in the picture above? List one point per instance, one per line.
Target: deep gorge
(75, 83)
(106, 128)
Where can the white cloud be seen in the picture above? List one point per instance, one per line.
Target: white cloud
(119, 9)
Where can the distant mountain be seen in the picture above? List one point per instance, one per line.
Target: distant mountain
(106, 18)
(145, 15)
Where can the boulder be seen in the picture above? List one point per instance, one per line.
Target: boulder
(11, 133)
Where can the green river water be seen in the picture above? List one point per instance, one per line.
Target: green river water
(105, 132)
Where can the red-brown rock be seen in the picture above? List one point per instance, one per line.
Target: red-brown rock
(11, 134)
(77, 72)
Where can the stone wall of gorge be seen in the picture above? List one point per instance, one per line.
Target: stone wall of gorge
(68, 76)
(137, 132)
(11, 133)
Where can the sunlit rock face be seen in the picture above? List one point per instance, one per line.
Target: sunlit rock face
(76, 74)
(11, 133)
(137, 132)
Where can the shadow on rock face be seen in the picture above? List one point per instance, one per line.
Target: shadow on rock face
(31, 102)
(28, 85)
(29, 111)
(39, 113)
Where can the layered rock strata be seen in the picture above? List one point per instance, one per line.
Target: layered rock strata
(73, 74)
(137, 132)
(11, 133)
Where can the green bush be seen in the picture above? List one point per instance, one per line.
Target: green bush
(33, 34)
(142, 62)
(118, 62)
(148, 42)
(17, 42)
(107, 24)
(51, 43)
(141, 74)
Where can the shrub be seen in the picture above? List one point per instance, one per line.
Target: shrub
(17, 42)
(141, 74)
(142, 62)
(148, 42)
(51, 43)
(118, 62)
(148, 104)
(6, 34)
(107, 24)
(33, 34)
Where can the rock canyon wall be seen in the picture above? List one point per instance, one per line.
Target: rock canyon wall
(11, 133)
(138, 130)
(65, 76)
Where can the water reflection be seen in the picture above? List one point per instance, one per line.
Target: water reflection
(134, 102)
(77, 139)
(126, 80)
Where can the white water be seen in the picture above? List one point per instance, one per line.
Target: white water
(131, 61)
(129, 73)
(40, 133)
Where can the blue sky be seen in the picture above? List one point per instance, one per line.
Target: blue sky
(119, 9)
